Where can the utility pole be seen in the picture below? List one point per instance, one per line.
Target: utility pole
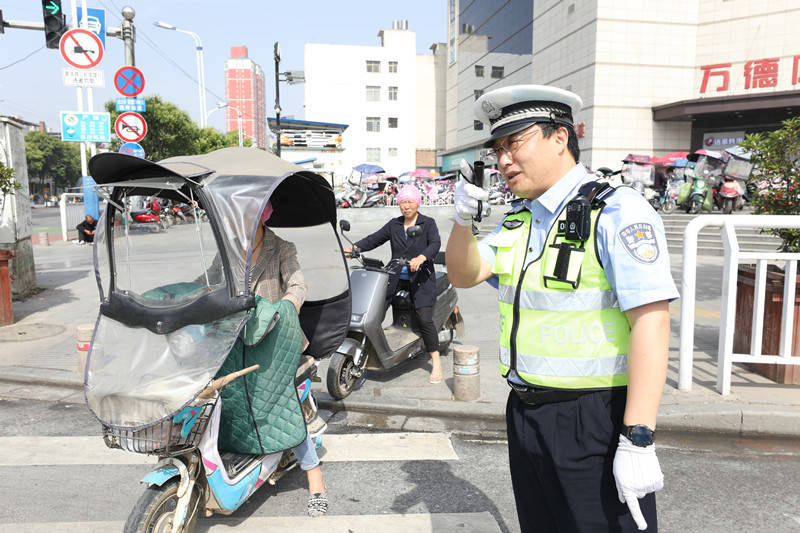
(277, 99)
(128, 36)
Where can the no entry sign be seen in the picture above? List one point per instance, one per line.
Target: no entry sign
(129, 81)
(81, 48)
(130, 127)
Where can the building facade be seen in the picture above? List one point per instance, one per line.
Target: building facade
(489, 46)
(245, 94)
(386, 94)
(655, 77)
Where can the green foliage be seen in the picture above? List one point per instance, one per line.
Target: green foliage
(7, 182)
(171, 132)
(49, 157)
(777, 161)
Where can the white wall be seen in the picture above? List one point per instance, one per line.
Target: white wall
(335, 91)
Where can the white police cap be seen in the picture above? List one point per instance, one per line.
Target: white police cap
(511, 109)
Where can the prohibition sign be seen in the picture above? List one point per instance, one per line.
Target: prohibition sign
(81, 48)
(130, 127)
(129, 81)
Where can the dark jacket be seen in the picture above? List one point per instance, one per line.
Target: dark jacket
(423, 281)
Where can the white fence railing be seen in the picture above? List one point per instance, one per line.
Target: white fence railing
(71, 212)
(733, 256)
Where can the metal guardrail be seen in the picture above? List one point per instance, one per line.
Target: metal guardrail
(733, 256)
(71, 212)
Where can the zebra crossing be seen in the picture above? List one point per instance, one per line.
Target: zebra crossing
(372, 451)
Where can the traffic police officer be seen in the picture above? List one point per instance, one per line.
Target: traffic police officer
(584, 284)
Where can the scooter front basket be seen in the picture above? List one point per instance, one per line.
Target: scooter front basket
(175, 435)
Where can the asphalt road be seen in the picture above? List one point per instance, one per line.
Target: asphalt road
(713, 484)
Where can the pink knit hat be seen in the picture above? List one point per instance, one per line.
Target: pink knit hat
(409, 192)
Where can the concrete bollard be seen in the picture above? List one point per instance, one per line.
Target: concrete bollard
(466, 372)
(84, 335)
(44, 239)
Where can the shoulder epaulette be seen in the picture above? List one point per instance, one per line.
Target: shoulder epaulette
(517, 205)
(596, 192)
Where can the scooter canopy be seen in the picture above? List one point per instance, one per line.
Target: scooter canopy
(174, 297)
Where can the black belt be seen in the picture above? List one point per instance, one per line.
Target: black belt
(535, 396)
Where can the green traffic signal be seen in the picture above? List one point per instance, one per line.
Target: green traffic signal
(55, 23)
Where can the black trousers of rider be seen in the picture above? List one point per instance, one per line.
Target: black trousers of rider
(425, 319)
(561, 457)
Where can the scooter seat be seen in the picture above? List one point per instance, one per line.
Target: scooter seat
(441, 282)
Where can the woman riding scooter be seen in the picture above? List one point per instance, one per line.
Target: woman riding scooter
(419, 277)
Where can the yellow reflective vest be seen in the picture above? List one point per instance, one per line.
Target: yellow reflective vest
(560, 321)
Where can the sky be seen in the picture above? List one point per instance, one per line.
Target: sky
(33, 89)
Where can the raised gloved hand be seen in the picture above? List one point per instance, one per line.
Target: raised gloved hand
(637, 473)
(467, 196)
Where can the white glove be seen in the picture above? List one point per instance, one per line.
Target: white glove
(467, 196)
(637, 473)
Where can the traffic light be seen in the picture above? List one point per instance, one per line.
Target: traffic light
(55, 23)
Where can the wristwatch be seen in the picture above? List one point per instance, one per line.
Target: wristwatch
(639, 435)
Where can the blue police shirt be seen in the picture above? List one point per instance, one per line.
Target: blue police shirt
(630, 241)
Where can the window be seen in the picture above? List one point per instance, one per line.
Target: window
(392, 152)
(477, 125)
(478, 93)
(497, 72)
(373, 124)
(478, 71)
(392, 122)
(393, 67)
(373, 66)
(373, 93)
(373, 155)
(392, 93)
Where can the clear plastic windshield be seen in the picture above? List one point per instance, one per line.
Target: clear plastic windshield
(159, 242)
(634, 172)
(739, 169)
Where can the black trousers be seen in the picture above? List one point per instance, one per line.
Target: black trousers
(561, 457)
(425, 320)
(82, 236)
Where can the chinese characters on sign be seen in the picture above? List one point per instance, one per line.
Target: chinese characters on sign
(757, 73)
(77, 126)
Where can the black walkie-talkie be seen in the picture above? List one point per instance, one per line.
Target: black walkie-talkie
(477, 180)
(578, 223)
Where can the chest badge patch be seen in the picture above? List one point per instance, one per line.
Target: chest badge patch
(640, 242)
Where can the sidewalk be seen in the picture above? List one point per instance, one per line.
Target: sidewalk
(39, 349)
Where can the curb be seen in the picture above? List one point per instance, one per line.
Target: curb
(488, 419)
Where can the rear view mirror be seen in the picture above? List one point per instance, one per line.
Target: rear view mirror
(345, 225)
(414, 231)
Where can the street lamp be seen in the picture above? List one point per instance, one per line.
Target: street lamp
(223, 105)
(201, 72)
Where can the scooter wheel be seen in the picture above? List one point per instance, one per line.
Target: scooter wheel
(342, 378)
(155, 509)
(668, 206)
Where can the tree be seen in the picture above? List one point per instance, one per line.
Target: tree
(776, 156)
(7, 182)
(50, 158)
(170, 130)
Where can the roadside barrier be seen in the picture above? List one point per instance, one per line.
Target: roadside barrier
(71, 213)
(733, 257)
(466, 372)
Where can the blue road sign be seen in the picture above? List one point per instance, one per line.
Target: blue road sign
(134, 149)
(129, 81)
(136, 105)
(95, 22)
(85, 127)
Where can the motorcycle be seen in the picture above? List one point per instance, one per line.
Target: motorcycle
(163, 333)
(736, 173)
(370, 346)
(665, 200)
(639, 172)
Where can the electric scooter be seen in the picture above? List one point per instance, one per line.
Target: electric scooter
(370, 346)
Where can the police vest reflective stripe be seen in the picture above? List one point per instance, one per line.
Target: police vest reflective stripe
(552, 333)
